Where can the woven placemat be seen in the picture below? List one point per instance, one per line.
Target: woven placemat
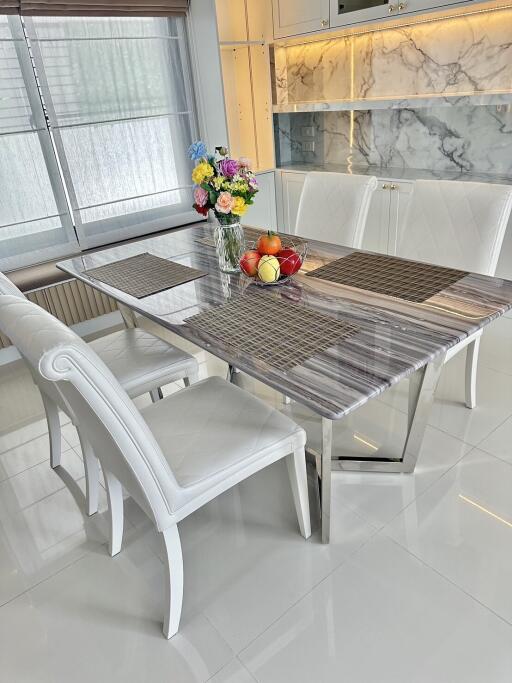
(389, 275)
(144, 274)
(276, 331)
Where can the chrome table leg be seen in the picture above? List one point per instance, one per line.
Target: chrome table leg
(325, 479)
(422, 386)
(128, 316)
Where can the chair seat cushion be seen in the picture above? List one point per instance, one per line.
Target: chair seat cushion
(142, 362)
(215, 425)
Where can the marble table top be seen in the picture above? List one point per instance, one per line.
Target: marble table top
(394, 338)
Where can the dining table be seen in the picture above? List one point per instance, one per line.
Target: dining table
(343, 330)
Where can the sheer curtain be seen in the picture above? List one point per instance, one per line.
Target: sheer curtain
(117, 93)
(35, 223)
(120, 116)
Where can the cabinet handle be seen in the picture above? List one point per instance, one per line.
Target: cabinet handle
(391, 9)
(385, 186)
(325, 22)
(401, 6)
(393, 186)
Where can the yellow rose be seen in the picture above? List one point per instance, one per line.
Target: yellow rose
(239, 206)
(201, 171)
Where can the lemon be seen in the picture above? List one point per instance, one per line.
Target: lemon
(268, 269)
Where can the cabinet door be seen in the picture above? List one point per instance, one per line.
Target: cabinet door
(346, 12)
(406, 6)
(401, 194)
(288, 191)
(292, 17)
(376, 233)
(262, 214)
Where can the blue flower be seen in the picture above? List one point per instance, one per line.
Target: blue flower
(197, 150)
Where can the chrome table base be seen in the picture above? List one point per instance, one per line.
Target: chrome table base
(422, 386)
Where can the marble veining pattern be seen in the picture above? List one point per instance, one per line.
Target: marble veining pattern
(468, 139)
(463, 55)
(395, 337)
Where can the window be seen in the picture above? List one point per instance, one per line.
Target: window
(118, 99)
(35, 223)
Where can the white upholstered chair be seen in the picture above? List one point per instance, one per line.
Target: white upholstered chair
(460, 225)
(140, 361)
(333, 207)
(175, 455)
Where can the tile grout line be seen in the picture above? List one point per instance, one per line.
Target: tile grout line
(350, 556)
(450, 581)
(47, 578)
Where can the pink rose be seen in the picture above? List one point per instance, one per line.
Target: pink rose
(244, 162)
(200, 196)
(224, 203)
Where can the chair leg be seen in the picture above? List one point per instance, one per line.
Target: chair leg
(296, 463)
(173, 581)
(116, 510)
(92, 475)
(52, 417)
(156, 394)
(471, 371)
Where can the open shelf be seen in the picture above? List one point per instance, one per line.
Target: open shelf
(414, 102)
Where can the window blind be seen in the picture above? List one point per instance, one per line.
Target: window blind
(34, 216)
(154, 8)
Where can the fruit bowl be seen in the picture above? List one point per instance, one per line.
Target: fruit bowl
(270, 269)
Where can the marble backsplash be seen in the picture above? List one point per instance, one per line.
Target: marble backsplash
(467, 139)
(465, 54)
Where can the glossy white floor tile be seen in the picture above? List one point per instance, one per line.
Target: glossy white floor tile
(380, 497)
(384, 616)
(412, 568)
(99, 620)
(499, 442)
(462, 527)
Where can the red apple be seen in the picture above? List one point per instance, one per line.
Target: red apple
(289, 261)
(249, 262)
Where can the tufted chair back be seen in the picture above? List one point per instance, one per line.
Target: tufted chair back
(333, 207)
(456, 224)
(48, 388)
(8, 287)
(116, 430)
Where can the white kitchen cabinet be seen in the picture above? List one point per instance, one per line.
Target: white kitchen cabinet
(262, 214)
(386, 216)
(400, 195)
(293, 17)
(504, 268)
(288, 190)
(406, 6)
(347, 12)
(377, 224)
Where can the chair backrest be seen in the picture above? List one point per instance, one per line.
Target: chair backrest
(333, 207)
(112, 424)
(8, 287)
(457, 224)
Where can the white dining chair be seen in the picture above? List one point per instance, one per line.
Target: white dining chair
(140, 361)
(333, 207)
(174, 456)
(460, 225)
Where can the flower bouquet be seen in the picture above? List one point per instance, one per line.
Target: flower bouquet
(227, 187)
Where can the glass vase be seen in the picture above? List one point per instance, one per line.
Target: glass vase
(229, 240)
